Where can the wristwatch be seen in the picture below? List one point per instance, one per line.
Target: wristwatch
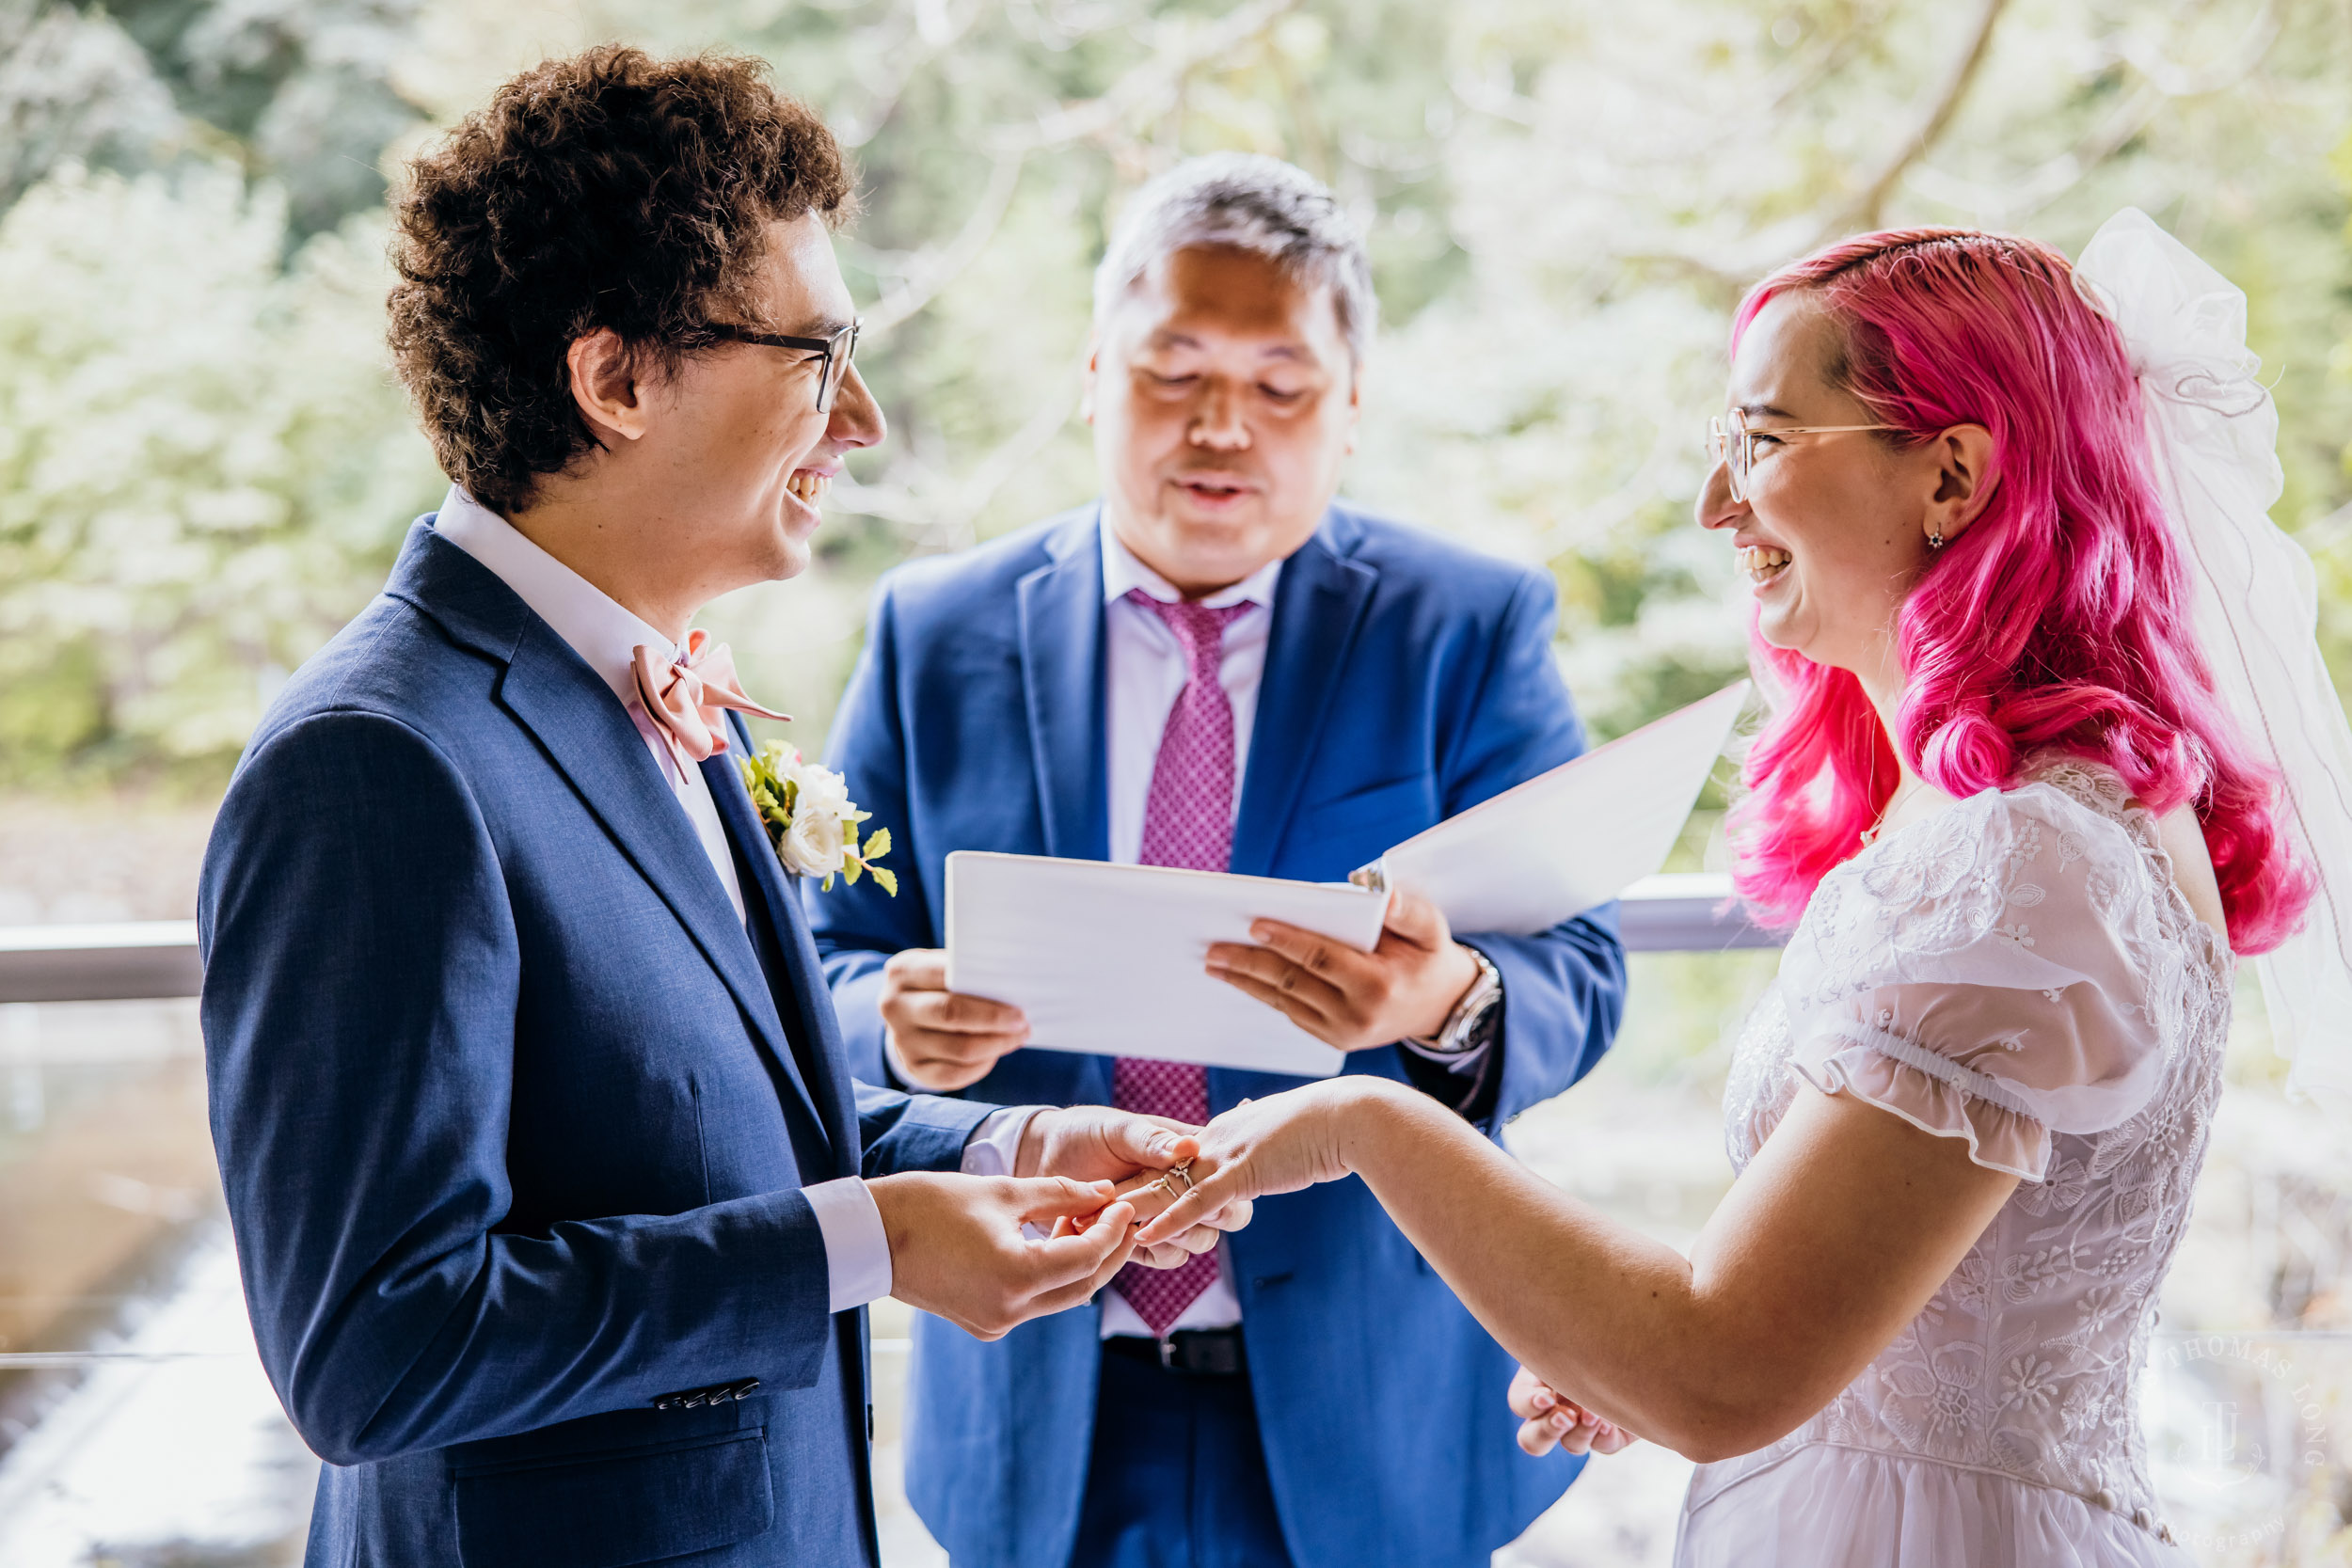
(1469, 1026)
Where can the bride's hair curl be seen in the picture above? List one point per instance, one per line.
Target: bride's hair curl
(2058, 620)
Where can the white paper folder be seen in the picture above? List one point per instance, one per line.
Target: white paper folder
(1564, 841)
(1108, 959)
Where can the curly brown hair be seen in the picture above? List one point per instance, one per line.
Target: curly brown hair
(607, 190)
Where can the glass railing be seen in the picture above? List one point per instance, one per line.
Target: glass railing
(137, 1427)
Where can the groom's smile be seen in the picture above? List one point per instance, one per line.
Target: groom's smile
(706, 474)
(771, 452)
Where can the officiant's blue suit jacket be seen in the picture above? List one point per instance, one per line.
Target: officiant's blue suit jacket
(1405, 679)
(515, 1113)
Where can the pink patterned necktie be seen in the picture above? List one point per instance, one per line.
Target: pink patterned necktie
(1188, 822)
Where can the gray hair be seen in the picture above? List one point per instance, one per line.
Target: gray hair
(1254, 204)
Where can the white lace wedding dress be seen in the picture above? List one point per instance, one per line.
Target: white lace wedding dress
(2018, 971)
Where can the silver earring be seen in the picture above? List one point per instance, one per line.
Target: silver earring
(1935, 538)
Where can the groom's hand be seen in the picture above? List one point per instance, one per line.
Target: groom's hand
(941, 1039)
(1093, 1143)
(958, 1249)
(1096, 1142)
(1405, 987)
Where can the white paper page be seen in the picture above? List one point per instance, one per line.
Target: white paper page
(1107, 958)
(1577, 836)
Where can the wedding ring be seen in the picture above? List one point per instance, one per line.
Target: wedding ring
(1162, 1183)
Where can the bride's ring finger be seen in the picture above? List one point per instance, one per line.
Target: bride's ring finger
(1166, 1187)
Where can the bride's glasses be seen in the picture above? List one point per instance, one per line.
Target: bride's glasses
(1732, 444)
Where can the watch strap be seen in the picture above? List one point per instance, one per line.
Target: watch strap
(1461, 1033)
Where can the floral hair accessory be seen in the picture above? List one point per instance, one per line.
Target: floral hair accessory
(811, 820)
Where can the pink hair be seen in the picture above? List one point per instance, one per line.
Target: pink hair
(2058, 620)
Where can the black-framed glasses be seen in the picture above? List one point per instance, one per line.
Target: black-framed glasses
(839, 351)
(1732, 444)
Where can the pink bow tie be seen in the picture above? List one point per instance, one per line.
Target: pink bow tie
(685, 700)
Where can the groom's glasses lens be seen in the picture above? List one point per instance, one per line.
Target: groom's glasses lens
(839, 351)
(835, 353)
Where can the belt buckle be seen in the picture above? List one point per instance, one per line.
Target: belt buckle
(1207, 1353)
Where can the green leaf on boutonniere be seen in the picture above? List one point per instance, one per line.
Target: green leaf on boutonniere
(774, 776)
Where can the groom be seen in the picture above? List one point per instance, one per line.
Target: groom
(556, 1206)
(1217, 667)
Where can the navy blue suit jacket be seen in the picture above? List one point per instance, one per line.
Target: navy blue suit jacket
(515, 1113)
(1406, 680)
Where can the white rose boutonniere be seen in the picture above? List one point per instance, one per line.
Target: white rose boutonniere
(811, 821)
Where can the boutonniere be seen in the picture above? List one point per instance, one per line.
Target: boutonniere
(811, 820)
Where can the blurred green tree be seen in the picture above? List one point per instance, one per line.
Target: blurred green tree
(199, 458)
(1564, 200)
(296, 91)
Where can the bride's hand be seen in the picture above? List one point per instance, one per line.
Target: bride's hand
(1280, 1144)
(1549, 1422)
(1148, 1195)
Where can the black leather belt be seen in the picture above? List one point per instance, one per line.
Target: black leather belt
(1192, 1352)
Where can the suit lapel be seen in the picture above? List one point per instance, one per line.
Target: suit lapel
(837, 1096)
(1061, 672)
(1318, 606)
(1062, 676)
(588, 735)
(828, 1087)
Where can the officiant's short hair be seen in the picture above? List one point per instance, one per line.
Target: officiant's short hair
(609, 189)
(1249, 202)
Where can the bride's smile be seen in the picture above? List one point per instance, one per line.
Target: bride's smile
(1764, 565)
(1834, 515)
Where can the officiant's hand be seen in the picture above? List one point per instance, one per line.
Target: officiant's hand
(957, 1248)
(937, 1038)
(1405, 987)
(1547, 1422)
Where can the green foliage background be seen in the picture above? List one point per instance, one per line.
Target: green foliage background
(205, 467)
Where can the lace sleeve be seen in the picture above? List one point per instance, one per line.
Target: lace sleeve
(1987, 976)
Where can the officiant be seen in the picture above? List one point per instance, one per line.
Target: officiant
(1219, 666)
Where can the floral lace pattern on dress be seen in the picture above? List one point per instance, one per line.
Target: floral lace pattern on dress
(2020, 970)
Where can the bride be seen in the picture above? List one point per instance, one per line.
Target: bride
(2024, 841)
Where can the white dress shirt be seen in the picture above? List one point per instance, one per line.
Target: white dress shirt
(1144, 672)
(606, 636)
